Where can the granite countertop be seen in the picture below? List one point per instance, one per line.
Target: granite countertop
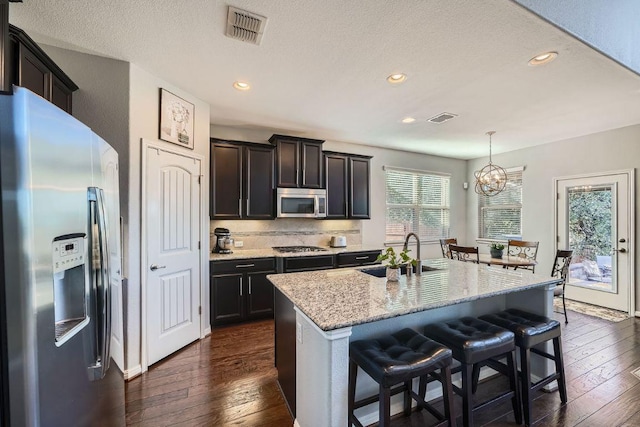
(344, 297)
(268, 252)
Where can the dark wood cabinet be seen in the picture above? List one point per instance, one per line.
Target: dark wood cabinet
(30, 67)
(359, 187)
(348, 185)
(240, 290)
(298, 162)
(355, 259)
(306, 263)
(336, 172)
(242, 180)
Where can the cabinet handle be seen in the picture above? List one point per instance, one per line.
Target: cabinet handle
(245, 265)
(241, 286)
(239, 207)
(249, 286)
(362, 257)
(246, 212)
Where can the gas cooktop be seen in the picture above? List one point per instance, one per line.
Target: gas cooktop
(284, 249)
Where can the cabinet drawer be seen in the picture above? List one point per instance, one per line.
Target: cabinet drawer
(243, 265)
(307, 263)
(356, 258)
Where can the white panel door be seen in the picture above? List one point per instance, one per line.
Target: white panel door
(173, 254)
(595, 221)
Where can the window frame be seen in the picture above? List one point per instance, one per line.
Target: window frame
(513, 174)
(444, 209)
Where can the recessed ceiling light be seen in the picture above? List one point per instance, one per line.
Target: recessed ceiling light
(397, 78)
(543, 58)
(241, 85)
(408, 120)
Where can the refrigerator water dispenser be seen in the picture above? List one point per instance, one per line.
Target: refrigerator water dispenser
(69, 286)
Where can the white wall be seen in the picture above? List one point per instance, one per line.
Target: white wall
(373, 230)
(605, 151)
(144, 101)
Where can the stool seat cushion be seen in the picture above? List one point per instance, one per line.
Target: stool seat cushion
(529, 329)
(399, 357)
(471, 340)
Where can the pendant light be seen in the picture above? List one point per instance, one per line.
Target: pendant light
(491, 179)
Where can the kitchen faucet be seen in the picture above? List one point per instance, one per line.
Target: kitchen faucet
(418, 259)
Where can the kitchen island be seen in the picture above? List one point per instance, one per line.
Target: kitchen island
(334, 307)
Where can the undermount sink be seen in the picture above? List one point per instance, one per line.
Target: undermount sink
(381, 271)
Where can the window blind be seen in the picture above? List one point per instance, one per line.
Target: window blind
(501, 215)
(417, 202)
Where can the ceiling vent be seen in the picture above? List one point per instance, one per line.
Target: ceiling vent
(245, 26)
(442, 117)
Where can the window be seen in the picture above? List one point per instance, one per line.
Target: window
(417, 202)
(501, 215)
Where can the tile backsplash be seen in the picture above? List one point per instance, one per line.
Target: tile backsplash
(288, 232)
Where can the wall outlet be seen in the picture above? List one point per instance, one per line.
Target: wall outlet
(299, 332)
(238, 243)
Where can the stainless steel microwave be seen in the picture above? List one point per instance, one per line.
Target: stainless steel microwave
(301, 203)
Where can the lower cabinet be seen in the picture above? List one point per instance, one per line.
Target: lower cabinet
(354, 259)
(239, 290)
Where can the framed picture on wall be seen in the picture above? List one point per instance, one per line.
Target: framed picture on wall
(176, 119)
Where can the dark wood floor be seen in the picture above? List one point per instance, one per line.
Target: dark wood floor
(229, 379)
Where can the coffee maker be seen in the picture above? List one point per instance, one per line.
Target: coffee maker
(224, 242)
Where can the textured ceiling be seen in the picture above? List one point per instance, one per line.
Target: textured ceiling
(320, 70)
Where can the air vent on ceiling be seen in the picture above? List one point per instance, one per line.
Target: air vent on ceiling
(442, 117)
(245, 26)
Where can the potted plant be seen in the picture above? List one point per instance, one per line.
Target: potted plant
(496, 249)
(394, 262)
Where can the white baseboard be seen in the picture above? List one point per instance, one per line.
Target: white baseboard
(295, 423)
(133, 372)
(637, 314)
(207, 332)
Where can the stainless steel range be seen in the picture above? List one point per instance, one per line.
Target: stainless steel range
(298, 249)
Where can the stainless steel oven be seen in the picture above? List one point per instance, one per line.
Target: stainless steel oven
(301, 203)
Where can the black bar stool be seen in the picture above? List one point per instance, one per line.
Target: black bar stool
(530, 330)
(398, 359)
(474, 341)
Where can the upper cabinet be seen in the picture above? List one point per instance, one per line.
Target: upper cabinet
(30, 67)
(298, 162)
(242, 180)
(348, 185)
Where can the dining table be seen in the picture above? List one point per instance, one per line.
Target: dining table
(506, 261)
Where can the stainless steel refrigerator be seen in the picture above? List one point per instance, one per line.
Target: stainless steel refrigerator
(60, 258)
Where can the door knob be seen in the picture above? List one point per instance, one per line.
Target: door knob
(621, 250)
(622, 240)
(156, 267)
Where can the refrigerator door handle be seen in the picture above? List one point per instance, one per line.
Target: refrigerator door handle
(101, 272)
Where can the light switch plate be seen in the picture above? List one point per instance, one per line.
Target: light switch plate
(238, 243)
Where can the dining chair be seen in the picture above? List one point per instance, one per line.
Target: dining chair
(464, 253)
(444, 245)
(561, 269)
(523, 249)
